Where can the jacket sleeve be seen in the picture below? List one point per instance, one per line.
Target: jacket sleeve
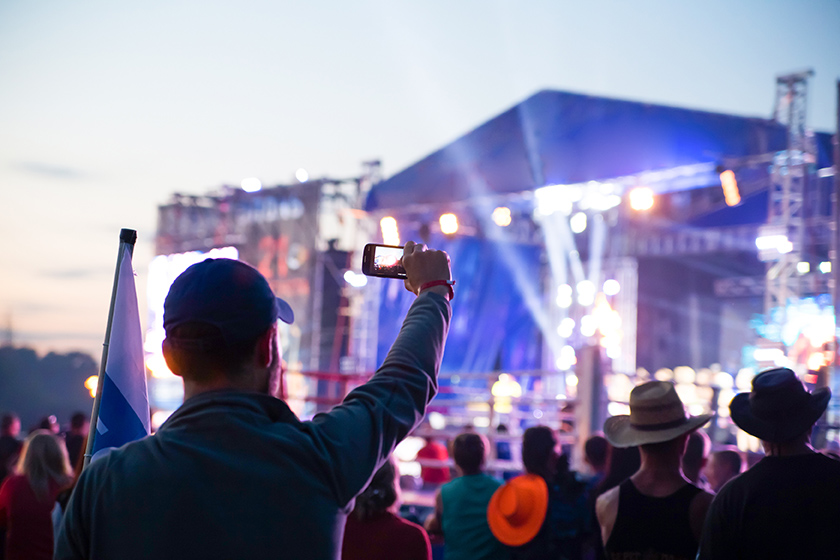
(74, 532)
(356, 437)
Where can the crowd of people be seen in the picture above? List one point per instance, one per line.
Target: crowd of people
(36, 475)
(233, 473)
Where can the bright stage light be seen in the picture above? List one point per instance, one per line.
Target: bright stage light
(251, 184)
(91, 383)
(501, 216)
(730, 188)
(553, 198)
(159, 417)
(355, 280)
(572, 380)
(618, 409)
(390, 233)
(564, 296)
(566, 358)
(448, 224)
(586, 292)
(768, 242)
(302, 175)
(588, 325)
(744, 379)
(566, 327)
(437, 420)
(803, 267)
(506, 386)
(158, 366)
(611, 287)
(825, 267)
(641, 198)
(577, 223)
(816, 361)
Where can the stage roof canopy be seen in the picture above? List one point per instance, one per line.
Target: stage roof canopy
(555, 137)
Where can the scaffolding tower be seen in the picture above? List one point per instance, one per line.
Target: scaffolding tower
(786, 220)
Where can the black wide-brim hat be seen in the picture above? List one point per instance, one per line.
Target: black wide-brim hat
(779, 408)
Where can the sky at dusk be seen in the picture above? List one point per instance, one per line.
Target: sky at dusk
(107, 108)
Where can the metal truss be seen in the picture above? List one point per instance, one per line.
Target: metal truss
(688, 241)
(789, 173)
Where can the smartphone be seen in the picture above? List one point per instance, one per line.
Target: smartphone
(383, 260)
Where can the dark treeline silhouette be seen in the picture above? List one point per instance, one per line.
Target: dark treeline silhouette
(34, 386)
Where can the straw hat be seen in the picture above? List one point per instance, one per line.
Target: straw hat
(517, 509)
(779, 408)
(656, 415)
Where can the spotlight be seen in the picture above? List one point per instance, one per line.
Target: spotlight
(501, 216)
(586, 292)
(611, 287)
(566, 358)
(566, 327)
(355, 280)
(250, 184)
(564, 296)
(302, 175)
(91, 383)
(390, 233)
(448, 224)
(730, 187)
(641, 198)
(825, 267)
(578, 222)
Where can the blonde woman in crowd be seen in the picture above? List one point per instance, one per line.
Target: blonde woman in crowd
(28, 496)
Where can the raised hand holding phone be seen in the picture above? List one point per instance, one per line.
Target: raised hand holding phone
(423, 266)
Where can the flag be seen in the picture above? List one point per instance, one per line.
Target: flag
(124, 402)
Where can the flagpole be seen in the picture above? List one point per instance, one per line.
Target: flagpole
(127, 239)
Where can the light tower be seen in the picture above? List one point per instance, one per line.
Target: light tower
(784, 234)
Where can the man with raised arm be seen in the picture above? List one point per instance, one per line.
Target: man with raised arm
(233, 473)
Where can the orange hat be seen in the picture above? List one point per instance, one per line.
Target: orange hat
(517, 509)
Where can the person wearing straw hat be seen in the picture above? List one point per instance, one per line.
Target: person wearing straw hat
(788, 504)
(657, 512)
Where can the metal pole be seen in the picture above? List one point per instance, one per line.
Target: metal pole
(835, 256)
(127, 239)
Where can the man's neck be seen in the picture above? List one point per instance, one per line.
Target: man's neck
(193, 388)
(788, 449)
(659, 475)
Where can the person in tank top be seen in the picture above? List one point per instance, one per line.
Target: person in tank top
(657, 513)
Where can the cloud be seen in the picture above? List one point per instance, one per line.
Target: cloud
(31, 307)
(49, 170)
(43, 336)
(72, 273)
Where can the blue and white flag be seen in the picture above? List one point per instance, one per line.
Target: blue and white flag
(124, 404)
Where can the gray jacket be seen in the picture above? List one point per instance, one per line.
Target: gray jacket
(237, 475)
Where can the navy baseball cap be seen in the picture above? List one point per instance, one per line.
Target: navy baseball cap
(228, 294)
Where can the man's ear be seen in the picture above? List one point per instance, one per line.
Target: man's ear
(264, 343)
(170, 356)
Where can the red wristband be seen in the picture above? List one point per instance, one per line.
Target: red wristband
(447, 283)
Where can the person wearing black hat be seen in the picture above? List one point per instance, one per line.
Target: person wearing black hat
(788, 504)
(233, 473)
(657, 512)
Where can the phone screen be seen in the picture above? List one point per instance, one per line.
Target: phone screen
(383, 261)
(386, 261)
